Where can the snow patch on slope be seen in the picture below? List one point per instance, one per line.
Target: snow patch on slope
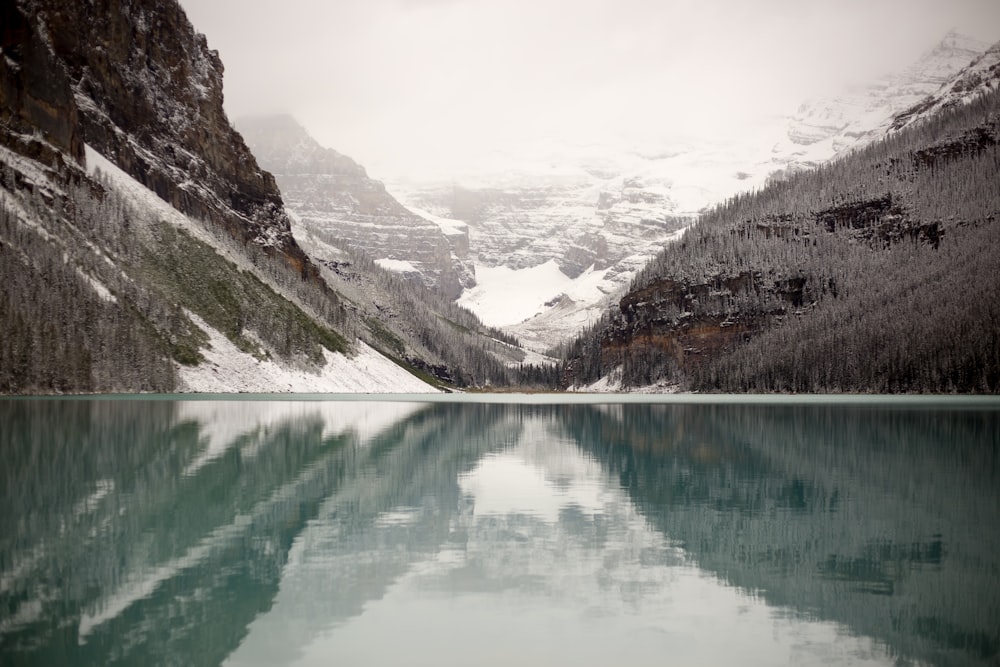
(449, 226)
(612, 384)
(228, 369)
(506, 296)
(397, 265)
(146, 200)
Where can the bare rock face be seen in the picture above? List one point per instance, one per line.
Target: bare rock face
(35, 95)
(149, 93)
(332, 196)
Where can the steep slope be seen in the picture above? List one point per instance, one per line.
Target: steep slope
(149, 91)
(599, 211)
(332, 196)
(873, 273)
(143, 249)
(977, 78)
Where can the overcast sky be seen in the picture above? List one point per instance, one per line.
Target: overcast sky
(395, 82)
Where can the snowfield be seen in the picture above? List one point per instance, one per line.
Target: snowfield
(397, 265)
(504, 296)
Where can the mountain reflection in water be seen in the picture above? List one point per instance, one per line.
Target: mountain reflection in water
(311, 532)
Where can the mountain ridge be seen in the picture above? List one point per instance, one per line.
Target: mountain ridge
(611, 208)
(333, 196)
(862, 275)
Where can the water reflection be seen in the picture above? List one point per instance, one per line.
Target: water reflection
(162, 532)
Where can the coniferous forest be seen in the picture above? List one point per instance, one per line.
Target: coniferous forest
(877, 272)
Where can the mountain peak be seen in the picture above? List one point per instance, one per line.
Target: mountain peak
(290, 148)
(824, 127)
(957, 41)
(276, 121)
(981, 75)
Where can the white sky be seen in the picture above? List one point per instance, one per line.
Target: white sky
(399, 83)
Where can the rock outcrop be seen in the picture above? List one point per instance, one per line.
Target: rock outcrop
(149, 96)
(35, 95)
(332, 196)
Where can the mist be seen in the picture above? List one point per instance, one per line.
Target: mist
(412, 86)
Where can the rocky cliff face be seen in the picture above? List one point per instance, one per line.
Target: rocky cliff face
(149, 96)
(35, 95)
(332, 196)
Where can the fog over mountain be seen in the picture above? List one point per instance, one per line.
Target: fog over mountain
(434, 88)
(134, 216)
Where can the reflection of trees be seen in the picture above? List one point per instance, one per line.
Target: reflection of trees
(882, 519)
(397, 510)
(111, 554)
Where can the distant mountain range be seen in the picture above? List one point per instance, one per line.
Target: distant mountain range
(576, 222)
(332, 196)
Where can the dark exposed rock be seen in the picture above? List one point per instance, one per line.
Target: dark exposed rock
(881, 221)
(857, 215)
(149, 92)
(35, 94)
(968, 143)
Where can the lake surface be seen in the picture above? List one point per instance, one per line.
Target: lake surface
(718, 531)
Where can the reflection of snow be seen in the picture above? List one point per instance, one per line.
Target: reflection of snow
(543, 560)
(503, 485)
(224, 423)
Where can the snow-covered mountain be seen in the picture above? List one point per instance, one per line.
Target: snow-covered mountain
(555, 237)
(332, 196)
(824, 127)
(979, 76)
(557, 230)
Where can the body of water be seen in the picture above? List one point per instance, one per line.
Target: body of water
(707, 531)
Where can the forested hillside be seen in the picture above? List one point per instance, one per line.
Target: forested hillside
(878, 272)
(136, 228)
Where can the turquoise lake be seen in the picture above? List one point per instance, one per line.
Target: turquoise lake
(500, 530)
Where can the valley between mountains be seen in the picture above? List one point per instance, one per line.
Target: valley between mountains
(150, 244)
